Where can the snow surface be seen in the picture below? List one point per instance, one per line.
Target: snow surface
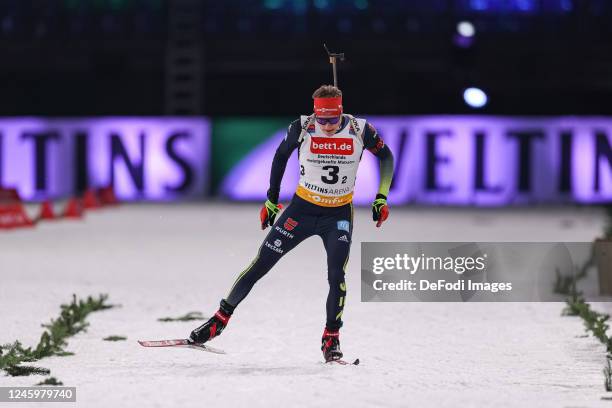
(167, 260)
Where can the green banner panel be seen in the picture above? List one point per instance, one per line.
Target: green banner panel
(233, 138)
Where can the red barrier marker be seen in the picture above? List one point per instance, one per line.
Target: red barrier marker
(46, 211)
(73, 209)
(107, 196)
(14, 216)
(90, 201)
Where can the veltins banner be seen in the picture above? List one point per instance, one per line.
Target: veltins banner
(465, 160)
(144, 158)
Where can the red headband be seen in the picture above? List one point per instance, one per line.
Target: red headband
(328, 106)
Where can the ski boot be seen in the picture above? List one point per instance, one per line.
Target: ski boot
(331, 345)
(214, 326)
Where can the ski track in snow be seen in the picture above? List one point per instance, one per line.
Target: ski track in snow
(166, 260)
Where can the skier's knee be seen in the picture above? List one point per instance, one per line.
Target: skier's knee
(337, 282)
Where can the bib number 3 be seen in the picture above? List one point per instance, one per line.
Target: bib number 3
(332, 176)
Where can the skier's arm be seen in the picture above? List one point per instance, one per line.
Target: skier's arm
(281, 157)
(375, 144)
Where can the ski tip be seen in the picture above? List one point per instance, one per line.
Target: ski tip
(146, 343)
(356, 362)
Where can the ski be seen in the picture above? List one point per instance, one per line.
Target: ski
(184, 343)
(343, 362)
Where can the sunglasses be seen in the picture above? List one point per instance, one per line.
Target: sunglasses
(325, 121)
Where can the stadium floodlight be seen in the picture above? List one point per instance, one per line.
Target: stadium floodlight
(466, 29)
(475, 97)
(465, 34)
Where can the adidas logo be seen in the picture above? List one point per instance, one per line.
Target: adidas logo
(343, 238)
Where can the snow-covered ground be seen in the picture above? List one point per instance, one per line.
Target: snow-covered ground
(166, 260)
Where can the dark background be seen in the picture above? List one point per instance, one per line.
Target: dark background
(265, 57)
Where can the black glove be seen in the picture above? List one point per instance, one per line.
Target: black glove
(380, 209)
(268, 213)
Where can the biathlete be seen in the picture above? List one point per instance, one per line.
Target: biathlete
(330, 144)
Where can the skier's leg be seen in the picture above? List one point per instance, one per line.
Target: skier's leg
(289, 230)
(337, 245)
(337, 240)
(337, 257)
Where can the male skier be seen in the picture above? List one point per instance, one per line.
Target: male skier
(330, 145)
